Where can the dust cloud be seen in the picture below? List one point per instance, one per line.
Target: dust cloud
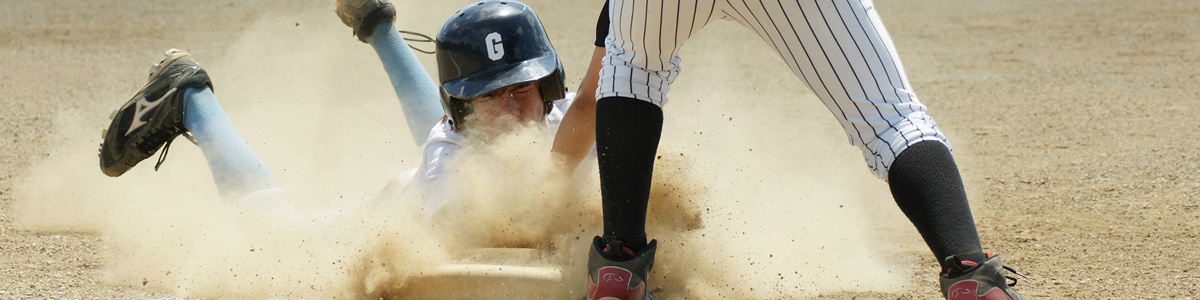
(751, 200)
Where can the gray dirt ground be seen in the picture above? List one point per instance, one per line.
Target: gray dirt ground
(1075, 122)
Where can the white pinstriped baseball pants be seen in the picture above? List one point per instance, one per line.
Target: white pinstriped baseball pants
(839, 48)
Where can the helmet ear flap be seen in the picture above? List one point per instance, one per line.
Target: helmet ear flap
(456, 109)
(553, 88)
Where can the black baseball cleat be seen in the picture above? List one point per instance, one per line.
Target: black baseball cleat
(363, 15)
(617, 273)
(153, 117)
(968, 280)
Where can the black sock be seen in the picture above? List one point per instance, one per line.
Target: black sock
(627, 133)
(928, 188)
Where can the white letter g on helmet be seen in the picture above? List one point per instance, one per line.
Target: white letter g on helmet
(494, 46)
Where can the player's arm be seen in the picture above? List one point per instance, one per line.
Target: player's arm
(577, 133)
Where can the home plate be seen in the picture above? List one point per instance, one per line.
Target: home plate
(491, 273)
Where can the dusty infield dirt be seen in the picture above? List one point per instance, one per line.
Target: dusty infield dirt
(1074, 123)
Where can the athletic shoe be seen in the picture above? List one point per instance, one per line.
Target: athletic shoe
(153, 117)
(617, 273)
(364, 15)
(968, 280)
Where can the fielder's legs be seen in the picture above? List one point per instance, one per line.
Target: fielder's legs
(842, 51)
(633, 86)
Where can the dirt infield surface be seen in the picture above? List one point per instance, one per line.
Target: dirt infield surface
(1074, 124)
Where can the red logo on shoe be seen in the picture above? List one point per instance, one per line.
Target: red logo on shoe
(614, 285)
(963, 290)
(969, 290)
(613, 276)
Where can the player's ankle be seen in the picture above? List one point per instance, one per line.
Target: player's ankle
(635, 243)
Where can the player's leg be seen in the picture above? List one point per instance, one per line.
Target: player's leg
(418, 95)
(178, 99)
(852, 68)
(843, 52)
(236, 169)
(641, 61)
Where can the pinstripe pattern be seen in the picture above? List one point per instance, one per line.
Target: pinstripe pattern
(838, 48)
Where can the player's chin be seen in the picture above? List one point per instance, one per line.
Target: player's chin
(486, 133)
(495, 127)
(515, 127)
(533, 121)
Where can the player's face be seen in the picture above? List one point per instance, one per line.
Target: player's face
(502, 110)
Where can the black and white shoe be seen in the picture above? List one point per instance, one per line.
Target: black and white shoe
(153, 117)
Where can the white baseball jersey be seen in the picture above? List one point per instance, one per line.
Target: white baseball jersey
(439, 149)
(839, 48)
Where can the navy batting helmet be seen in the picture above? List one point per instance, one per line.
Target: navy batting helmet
(489, 45)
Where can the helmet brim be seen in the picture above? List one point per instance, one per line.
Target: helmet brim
(487, 81)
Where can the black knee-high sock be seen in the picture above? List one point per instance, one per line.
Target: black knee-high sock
(627, 133)
(928, 188)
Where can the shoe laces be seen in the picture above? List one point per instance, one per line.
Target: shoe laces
(1014, 279)
(163, 156)
(423, 39)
